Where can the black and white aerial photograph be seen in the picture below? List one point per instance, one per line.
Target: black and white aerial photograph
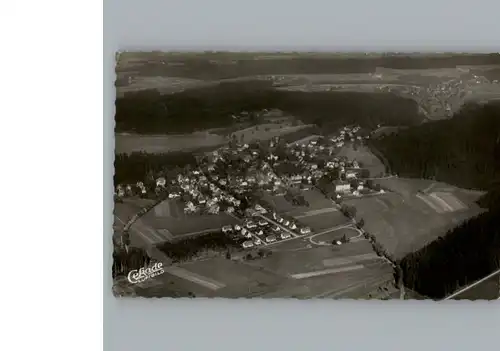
(307, 175)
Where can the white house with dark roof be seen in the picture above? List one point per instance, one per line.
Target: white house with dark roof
(342, 187)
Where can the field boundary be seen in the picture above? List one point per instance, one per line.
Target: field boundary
(381, 157)
(326, 272)
(194, 277)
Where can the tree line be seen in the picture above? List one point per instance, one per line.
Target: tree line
(146, 167)
(125, 261)
(464, 151)
(149, 112)
(188, 248)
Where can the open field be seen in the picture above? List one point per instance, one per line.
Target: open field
(296, 262)
(165, 85)
(327, 272)
(279, 203)
(365, 157)
(124, 211)
(324, 221)
(167, 222)
(232, 273)
(128, 143)
(321, 213)
(327, 210)
(349, 270)
(406, 221)
(406, 187)
(316, 199)
(318, 204)
(266, 131)
(443, 202)
(318, 272)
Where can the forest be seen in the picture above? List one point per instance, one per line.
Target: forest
(124, 262)
(141, 166)
(463, 255)
(149, 112)
(464, 151)
(186, 249)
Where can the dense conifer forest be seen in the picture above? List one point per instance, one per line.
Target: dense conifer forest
(140, 166)
(149, 112)
(464, 151)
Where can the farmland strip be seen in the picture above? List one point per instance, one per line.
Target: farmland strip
(326, 271)
(429, 203)
(194, 278)
(444, 204)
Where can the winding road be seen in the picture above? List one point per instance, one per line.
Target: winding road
(320, 243)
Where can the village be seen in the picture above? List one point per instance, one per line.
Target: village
(251, 182)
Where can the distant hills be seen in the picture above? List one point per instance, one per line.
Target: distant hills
(224, 65)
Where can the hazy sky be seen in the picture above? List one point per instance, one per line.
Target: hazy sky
(311, 24)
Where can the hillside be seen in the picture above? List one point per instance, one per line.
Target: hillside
(149, 112)
(463, 151)
(463, 255)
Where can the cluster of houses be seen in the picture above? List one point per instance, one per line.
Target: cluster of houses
(258, 230)
(444, 97)
(130, 190)
(347, 133)
(228, 174)
(203, 195)
(251, 173)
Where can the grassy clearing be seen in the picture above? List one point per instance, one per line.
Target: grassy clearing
(365, 157)
(405, 223)
(128, 143)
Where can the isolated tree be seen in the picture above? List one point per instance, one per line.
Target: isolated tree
(361, 223)
(349, 211)
(354, 183)
(126, 239)
(344, 209)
